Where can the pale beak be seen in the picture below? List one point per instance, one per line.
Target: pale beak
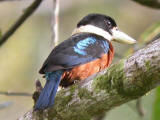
(121, 37)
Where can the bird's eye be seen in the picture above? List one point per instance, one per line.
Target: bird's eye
(109, 24)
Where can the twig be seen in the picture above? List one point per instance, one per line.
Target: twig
(100, 117)
(7, 93)
(154, 38)
(20, 21)
(55, 23)
(150, 3)
(139, 107)
(38, 91)
(38, 86)
(9, 0)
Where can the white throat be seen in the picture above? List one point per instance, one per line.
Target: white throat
(93, 29)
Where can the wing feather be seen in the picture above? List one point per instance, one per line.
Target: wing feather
(79, 49)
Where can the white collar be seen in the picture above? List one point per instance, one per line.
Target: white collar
(93, 29)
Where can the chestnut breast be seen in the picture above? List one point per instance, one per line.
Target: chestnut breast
(83, 71)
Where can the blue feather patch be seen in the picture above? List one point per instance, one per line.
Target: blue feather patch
(105, 46)
(46, 98)
(83, 44)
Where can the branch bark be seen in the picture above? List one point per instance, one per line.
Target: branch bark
(7, 93)
(20, 21)
(150, 3)
(127, 80)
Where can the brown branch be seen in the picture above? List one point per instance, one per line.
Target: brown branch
(139, 107)
(100, 117)
(29, 11)
(7, 93)
(149, 3)
(38, 91)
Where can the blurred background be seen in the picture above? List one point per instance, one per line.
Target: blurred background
(24, 53)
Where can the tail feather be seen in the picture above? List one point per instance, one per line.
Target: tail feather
(46, 98)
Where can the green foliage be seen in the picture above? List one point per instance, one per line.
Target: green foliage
(156, 107)
(150, 33)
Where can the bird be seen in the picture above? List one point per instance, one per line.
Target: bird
(87, 51)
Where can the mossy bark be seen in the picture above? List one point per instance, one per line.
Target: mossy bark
(127, 80)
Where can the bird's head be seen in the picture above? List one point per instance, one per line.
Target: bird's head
(104, 26)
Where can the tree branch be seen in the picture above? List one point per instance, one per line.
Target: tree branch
(125, 81)
(55, 23)
(150, 3)
(20, 21)
(9, 0)
(14, 93)
(139, 107)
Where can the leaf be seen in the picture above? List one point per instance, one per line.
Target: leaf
(156, 106)
(149, 3)
(150, 33)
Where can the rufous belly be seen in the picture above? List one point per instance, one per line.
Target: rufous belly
(83, 71)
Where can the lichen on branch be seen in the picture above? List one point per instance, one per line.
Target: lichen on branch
(127, 80)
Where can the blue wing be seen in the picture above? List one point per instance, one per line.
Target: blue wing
(79, 49)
